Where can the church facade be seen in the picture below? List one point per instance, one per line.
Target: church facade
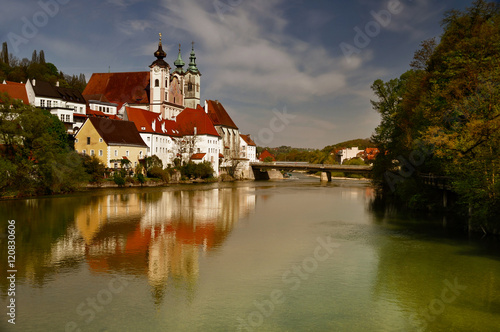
(160, 90)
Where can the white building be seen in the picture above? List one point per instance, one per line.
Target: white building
(346, 154)
(160, 135)
(62, 102)
(248, 148)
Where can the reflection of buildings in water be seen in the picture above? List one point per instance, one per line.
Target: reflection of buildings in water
(159, 236)
(107, 209)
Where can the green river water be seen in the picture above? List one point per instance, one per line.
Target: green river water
(292, 255)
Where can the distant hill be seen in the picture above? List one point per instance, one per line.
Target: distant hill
(361, 143)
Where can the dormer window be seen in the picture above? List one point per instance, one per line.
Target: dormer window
(143, 128)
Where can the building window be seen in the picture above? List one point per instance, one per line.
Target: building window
(68, 118)
(42, 102)
(140, 154)
(116, 153)
(126, 153)
(135, 164)
(156, 139)
(116, 165)
(157, 83)
(100, 140)
(149, 138)
(55, 103)
(62, 117)
(49, 103)
(81, 110)
(88, 140)
(190, 86)
(83, 152)
(76, 140)
(92, 152)
(100, 153)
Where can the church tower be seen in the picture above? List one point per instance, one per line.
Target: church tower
(159, 79)
(192, 83)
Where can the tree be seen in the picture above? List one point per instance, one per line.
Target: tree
(41, 57)
(5, 53)
(34, 57)
(449, 105)
(36, 152)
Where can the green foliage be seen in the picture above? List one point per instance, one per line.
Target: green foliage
(119, 179)
(159, 173)
(447, 109)
(152, 162)
(94, 168)
(268, 159)
(354, 161)
(36, 153)
(202, 170)
(16, 70)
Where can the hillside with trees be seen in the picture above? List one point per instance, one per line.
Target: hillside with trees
(316, 156)
(443, 117)
(20, 70)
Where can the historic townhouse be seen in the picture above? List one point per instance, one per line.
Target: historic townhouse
(111, 141)
(248, 148)
(229, 133)
(201, 141)
(160, 135)
(65, 103)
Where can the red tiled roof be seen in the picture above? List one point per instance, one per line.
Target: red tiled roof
(266, 154)
(198, 156)
(130, 87)
(101, 114)
(15, 91)
(248, 140)
(221, 155)
(147, 119)
(218, 114)
(191, 117)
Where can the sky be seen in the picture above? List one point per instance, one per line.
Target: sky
(289, 72)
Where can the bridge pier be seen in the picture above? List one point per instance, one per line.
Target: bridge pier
(326, 177)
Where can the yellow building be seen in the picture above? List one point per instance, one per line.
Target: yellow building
(110, 141)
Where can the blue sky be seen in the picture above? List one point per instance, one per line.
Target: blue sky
(290, 72)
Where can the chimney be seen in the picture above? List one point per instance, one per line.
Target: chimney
(4, 82)
(57, 83)
(206, 106)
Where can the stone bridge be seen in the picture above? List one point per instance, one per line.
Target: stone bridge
(325, 169)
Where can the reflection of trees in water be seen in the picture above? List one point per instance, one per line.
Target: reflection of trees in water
(413, 266)
(158, 234)
(40, 223)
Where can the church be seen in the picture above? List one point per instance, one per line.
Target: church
(160, 90)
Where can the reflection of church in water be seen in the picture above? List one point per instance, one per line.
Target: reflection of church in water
(160, 234)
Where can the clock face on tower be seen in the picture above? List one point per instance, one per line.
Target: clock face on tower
(156, 69)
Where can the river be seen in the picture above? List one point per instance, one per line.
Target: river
(291, 255)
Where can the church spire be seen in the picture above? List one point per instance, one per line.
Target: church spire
(160, 53)
(179, 63)
(192, 61)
